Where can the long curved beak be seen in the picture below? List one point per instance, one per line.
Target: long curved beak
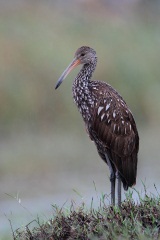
(71, 66)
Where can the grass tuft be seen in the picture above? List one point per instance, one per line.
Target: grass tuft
(132, 221)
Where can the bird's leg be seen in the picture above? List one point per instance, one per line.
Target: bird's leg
(112, 180)
(119, 187)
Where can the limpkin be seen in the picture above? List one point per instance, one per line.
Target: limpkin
(108, 121)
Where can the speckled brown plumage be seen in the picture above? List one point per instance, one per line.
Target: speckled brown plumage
(108, 120)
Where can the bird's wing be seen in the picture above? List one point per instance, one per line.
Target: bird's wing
(113, 122)
(113, 128)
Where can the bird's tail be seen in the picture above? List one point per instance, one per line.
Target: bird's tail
(127, 167)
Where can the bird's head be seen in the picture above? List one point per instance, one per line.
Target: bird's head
(84, 55)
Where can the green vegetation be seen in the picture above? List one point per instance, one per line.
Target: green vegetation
(133, 221)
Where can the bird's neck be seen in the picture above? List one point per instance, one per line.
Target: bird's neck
(82, 93)
(85, 73)
(84, 77)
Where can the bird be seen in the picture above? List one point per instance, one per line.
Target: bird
(108, 122)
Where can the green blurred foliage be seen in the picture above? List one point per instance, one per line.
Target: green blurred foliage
(38, 40)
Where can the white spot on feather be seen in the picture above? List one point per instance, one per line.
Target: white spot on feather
(130, 127)
(99, 110)
(114, 113)
(122, 103)
(107, 106)
(102, 116)
(114, 128)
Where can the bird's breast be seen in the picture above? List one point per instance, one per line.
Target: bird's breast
(85, 102)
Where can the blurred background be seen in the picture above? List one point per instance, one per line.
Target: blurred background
(46, 157)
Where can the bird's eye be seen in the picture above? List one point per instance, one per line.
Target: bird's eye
(82, 54)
